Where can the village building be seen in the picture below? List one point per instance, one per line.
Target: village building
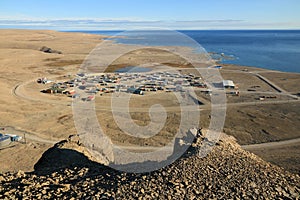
(4, 140)
(228, 84)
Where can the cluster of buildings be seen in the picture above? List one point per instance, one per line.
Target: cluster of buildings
(86, 86)
(137, 83)
(66, 87)
(159, 81)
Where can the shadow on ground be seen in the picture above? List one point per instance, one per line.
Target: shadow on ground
(58, 159)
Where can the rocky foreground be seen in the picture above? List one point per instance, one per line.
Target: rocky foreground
(227, 172)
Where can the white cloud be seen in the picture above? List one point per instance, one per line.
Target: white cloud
(130, 23)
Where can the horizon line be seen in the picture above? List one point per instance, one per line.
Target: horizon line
(122, 30)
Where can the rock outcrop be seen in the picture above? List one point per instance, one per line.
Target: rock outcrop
(227, 172)
(49, 50)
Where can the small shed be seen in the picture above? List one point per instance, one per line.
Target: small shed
(135, 91)
(4, 140)
(218, 67)
(90, 98)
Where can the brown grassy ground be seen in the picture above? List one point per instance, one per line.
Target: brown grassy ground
(263, 123)
(287, 81)
(287, 156)
(50, 117)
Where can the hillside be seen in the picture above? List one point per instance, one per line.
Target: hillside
(227, 172)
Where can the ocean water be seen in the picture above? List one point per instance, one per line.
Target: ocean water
(269, 49)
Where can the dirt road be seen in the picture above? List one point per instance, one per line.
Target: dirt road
(270, 144)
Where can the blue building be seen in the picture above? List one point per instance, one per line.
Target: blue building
(5, 140)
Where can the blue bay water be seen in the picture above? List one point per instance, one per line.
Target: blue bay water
(269, 49)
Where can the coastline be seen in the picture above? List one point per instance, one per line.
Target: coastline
(247, 51)
(22, 61)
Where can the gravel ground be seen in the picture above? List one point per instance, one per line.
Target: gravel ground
(227, 172)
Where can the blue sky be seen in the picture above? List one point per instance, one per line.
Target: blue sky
(127, 14)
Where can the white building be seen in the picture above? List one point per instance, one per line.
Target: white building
(228, 84)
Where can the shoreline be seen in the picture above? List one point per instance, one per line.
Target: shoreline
(103, 36)
(21, 60)
(219, 54)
